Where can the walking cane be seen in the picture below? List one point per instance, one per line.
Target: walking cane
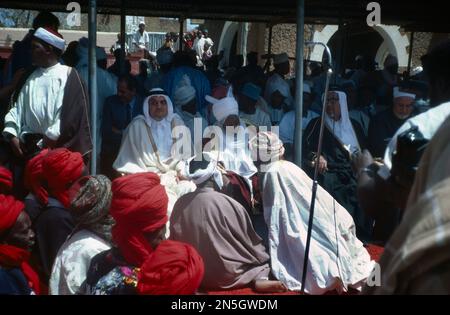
(316, 165)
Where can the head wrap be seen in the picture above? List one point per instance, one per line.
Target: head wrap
(139, 206)
(6, 180)
(184, 92)
(251, 91)
(343, 129)
(268, 146)
(34, 177)
(280, 58)
(219, 91)
(398, 93)
(90, 200)
(222, 108)
(51, 37)
(174, 268)
(202, 175)
(10, 209)
(157, 92)
(61, 169)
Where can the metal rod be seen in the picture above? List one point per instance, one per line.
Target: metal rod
(316, 167)
(122, 37)
(92, 30)
(299, 81)
(180, 37)
(411, 44)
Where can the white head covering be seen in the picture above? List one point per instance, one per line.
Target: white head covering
(224, 107)
(50, 38)
(398, 93)
(184, 92)
(202, 175)
(280, 58)
(162, 129)
(343, 129)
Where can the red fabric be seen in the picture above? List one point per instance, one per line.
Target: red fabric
(174, 268)
(61, 169)
(139, 205)
(375, 253)
(219, 92)
(10, 209)
(11, 256)
(34, 177)
(6, 181)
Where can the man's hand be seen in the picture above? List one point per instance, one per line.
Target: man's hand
(15, 146)
(323, 165)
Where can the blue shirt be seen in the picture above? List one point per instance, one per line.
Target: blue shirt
(118, 115)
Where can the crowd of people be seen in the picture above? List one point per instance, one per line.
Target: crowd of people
(196, 191)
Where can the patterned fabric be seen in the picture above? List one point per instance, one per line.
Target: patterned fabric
(121, 280)
(90, 199)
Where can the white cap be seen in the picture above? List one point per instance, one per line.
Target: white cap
(50, 37)
(398, 93)
(224, 107)
(280, 58)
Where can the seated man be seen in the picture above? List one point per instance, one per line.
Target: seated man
(139, 208)
(232, 147)
(385, 124)
(148, 145)
(118, 112)
(277, 93)
(185, 102)
(221, 230)
(249, 113)
(17, 277)
(49, 176)
(286, 191)
(287, 123)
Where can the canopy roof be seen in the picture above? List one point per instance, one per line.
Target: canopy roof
(419, 15)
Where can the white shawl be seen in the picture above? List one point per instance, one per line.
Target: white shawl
(343, 129)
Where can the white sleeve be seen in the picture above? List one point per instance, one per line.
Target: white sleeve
(13, 118)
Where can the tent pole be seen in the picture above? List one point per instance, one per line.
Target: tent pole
(92, 30)
(299, 81)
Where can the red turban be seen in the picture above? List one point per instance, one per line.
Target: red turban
(10, 209)
(11, 256)
(61, 169)
(34, 177)
(174, 268)
(6, 180)
(139, 205)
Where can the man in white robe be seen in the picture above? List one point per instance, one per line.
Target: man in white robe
(277, 93)
(233, 149)
(337, 259)
(249, 112)
(141, 38)
(185, 102)
(148, 146)
(39, 111)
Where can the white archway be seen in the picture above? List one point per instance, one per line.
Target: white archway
(229, 30)
(393, 43)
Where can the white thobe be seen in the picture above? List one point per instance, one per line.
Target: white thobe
(38, 107)
(258, 119)
(72, 262)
